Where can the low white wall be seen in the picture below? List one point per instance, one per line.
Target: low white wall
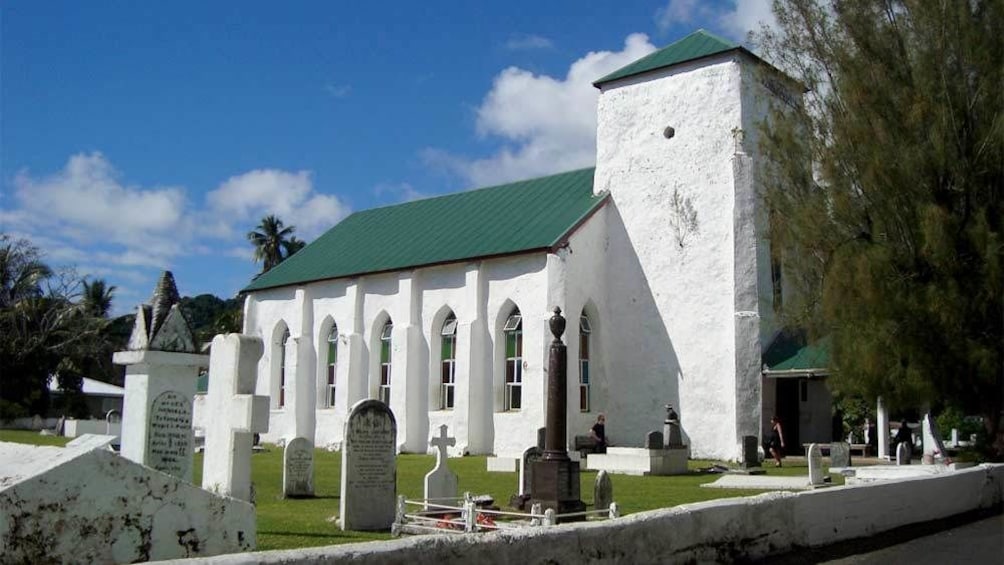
(76, 428)
(719, 530)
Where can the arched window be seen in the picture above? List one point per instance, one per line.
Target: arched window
(513, 331)
(329, 396)
(448, 363)
(584, 332)
(282, 367)
(385, 366)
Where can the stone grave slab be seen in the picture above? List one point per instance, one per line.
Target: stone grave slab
(298, 468)
(603, 491)
(840, 454)
(441, 482)
(640, 461)
(85, 505)
(764, 482)
(87, 442)
(815, 457)
(369, 468)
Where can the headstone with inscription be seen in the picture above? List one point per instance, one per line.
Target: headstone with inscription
(653, 440)
(530, 456)
(603, 491)
(441, 482)
(369, 468)
(840, 454)
(298, 468)
(237, 415)
(815, 457)
(161, 370)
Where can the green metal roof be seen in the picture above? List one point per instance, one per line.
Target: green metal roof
(695, 46)
(791, 353)
(512, 218)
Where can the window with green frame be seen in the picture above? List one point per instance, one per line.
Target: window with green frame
(584, 333)
(282, 367)
(448, 364)
(329, 395)
(385, 365)
(513, 331)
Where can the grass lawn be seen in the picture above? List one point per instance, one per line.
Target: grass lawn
(285, 524)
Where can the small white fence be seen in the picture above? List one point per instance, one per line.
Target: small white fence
(465, 516)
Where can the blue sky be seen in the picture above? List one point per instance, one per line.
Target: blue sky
(142, 136)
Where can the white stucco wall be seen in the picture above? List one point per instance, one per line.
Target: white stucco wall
(480, 295)
(673, 335)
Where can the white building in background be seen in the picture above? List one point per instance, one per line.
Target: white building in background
(657, 257)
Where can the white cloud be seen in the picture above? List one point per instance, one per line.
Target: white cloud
(86, 203)
(747, 16)
(679, 11)
(250, 196)
(337, 90)
(401, 192)
(546, 124)
(522, 41)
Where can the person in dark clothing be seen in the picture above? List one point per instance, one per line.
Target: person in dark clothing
(775, 441)
(903, 435)
(599, 433)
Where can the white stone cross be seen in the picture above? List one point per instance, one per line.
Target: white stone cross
(236, 414)
(440, 482)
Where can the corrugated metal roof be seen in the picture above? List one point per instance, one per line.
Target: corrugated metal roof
(500, 220)
(791, 353)
(91, 386)
(695, 46)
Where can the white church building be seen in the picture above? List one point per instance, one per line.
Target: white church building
(657, 257)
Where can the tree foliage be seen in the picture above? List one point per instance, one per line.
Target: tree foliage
(886, 194)
(46, 331)
(209, 315)
(273, 242)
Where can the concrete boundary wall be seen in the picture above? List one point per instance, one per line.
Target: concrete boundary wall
(718, 530)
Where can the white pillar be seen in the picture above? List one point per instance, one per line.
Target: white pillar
(356, 374)
(477, 358)
(304, 377)
(882, 415)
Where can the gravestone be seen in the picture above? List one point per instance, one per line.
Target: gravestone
(530, 456)
(653, 440)
(902, 453)
(369, 468)
(815, 456)
(840, 454)
(441, 482)
(603, 491)
(238, 415)
(298, 468)
(671, 428)
(750, 452)
(161, 370)
(934, 447)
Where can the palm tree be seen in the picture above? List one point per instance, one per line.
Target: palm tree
(21, 271)
(98, 297)
(269, 240)
(293, 245)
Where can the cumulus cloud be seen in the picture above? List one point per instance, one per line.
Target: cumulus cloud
(680, 11)
(522, 41)
(546, 124)
(291, 196)
(337, 90)
(400, 192)
(747, 16)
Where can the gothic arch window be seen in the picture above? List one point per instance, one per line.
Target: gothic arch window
(331, 367)
(383, 393)
(585, 333)
(513, 332)
(448, 363)
(283, 346)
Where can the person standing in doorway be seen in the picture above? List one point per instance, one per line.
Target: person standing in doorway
(775, 440)
(599, 433)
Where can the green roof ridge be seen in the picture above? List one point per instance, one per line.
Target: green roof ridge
(498, 220)
(697, 45)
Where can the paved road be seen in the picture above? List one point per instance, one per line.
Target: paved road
(977, 542)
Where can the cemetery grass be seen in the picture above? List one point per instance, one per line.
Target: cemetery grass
(32, 437)
(294, 523)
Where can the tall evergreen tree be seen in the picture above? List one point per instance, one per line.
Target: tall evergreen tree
(886, 194)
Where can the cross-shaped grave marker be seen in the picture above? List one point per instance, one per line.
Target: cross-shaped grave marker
(236, 414)
(441, 482)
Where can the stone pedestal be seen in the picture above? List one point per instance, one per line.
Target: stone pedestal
(157, 411)
(556, 486)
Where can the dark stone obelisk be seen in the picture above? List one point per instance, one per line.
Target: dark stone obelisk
(556, 477)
